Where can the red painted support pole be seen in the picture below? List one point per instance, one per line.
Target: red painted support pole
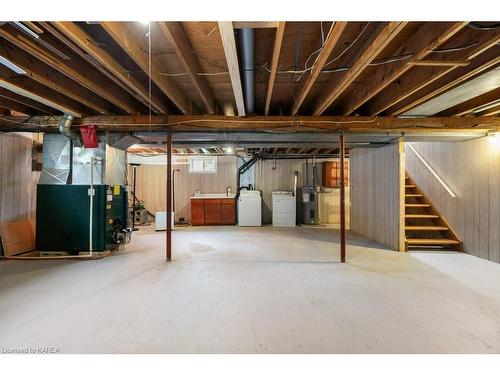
(169, 197)
(342, 197)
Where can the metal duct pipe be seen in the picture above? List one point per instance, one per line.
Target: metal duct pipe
(247, 54)
(65, 129)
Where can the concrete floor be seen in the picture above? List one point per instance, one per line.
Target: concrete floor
(253, 290)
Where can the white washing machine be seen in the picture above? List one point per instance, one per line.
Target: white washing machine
(284, 206)
(250, 208)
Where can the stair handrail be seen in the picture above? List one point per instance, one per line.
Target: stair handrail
(433, 172)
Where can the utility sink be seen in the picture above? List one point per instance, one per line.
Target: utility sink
(212, 195)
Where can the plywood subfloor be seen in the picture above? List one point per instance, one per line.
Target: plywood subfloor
(253, 290)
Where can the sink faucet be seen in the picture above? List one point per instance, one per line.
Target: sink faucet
(228, 191)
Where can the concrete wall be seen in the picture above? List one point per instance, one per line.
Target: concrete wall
(17, 181)
(376, 179)
(472, 170)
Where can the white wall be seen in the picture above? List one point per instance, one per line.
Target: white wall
(376, 193)
(472, 170)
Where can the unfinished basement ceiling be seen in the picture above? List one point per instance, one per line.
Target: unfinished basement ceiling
(471, 89)
(300, 68)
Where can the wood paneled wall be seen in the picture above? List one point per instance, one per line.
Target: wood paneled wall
(151, 184)
(376, 200)
(17, 181)
(472, 171)
(276, 175)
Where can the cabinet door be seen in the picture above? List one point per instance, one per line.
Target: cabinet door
(213, 211)
(197, 212)
(228, 212)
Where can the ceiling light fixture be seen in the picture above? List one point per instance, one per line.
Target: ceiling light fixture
(11, 65)
(229, 150)
(26, 30)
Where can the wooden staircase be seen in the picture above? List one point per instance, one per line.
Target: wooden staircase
(425, 228)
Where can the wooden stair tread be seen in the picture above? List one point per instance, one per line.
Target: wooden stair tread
(410, 186)
(426, 227)
(413, 195)
(431, 241)
(421, 216)
(417, 205)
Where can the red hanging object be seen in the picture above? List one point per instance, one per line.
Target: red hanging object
(89, 136)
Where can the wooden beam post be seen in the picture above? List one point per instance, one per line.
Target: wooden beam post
(342, 197)
(169, 197)
(229, 43)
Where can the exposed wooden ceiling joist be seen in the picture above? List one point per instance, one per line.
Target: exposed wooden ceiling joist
(255, 24)
(131, 43)
(429, 37)
(473, 104)
(21, 104)
(76, 74)
(227, 35)
(63, 39)
(175, 34)
(410, 84)
(375, 45)
(310, 77)
(47, 76)
(78, 36)
(278, 40)
(41, 99)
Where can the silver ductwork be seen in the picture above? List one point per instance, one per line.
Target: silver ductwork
(248, 66)
(64, 163)
(65, 129)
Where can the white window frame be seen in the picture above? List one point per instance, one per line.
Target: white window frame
(206, 161)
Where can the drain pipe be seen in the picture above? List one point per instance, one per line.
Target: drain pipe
(248, 66)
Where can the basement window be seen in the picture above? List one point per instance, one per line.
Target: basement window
(203, 164)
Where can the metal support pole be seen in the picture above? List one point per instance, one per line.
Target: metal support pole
(169, 197)
(134, 168)
(342, 198)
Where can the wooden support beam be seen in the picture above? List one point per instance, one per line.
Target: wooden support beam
(374, 45)
(469, 106)
(9, 104)
(427, 38)
(278, 41)
(410, 84)
(63, 39)
(328, 124)
(84, 41)
(310, 77)
(228, 41)
(75, 73)
(438, 63)
(133, 44)
(22, 87)
(175, 34)
(24, 105)
(255, 24)
(459, 78)
(50, 78)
